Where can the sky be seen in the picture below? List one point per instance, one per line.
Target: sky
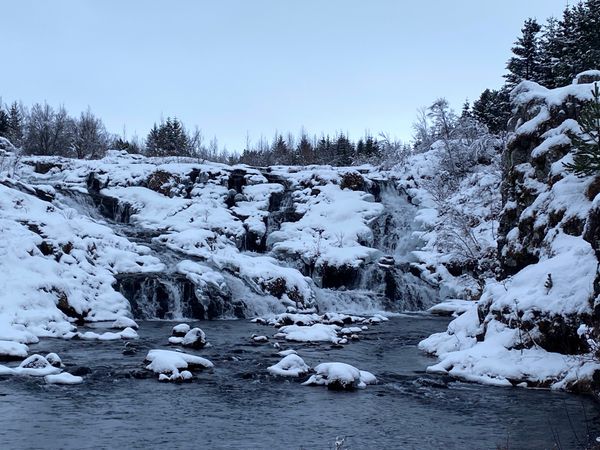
(250, 68)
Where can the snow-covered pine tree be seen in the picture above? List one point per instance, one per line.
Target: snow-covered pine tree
(586, 154)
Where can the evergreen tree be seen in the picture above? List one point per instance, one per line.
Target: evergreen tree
(344, 151)
(280, 151)
(305, 150)
(550, 52)
(168, 139)
(525, 64)
(15, 124)
(152, 141)
(372, 149)
(586, 155)
(493, 110)
(4, 130)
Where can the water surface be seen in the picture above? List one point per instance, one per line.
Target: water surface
(238, 405)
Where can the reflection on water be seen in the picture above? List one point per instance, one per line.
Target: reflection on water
(238, 405)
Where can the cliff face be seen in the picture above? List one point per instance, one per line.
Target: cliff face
(545, 205)
(542, 316)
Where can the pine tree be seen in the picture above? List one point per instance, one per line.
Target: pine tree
(168, 139)
(493, 110)
(152, 142)
(372, 149)
(3, 123)
(525, 64)
(550, 51)
(305, 150)
(344, 151)
(280, 150)
(586, 155)
(15, 124)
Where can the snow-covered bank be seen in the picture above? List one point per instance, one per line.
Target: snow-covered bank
(527, 327)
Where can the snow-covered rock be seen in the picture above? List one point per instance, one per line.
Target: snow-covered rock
(524, 329)
(168, 362)
(180, 330)
(452, 307)
(340, 376)
(290, 366)
(176, 376)
(195, 338)
(63, 378)
(127, 333)
(12, 350)
(54, 360)
(314, 333)
(124, 322)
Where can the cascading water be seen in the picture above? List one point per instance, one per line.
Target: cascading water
(395, 234)
(386, 284)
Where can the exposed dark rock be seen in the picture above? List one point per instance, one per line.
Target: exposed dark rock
(353, 181)
(339, 276)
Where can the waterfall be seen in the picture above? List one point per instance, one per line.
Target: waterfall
(395, 234)
(384, 285)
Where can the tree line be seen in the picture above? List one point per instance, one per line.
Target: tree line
(551, 54)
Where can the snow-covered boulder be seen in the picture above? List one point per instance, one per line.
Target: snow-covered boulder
(12, 350)
(340, 376)
(195, 338)
(168, 362)
(54, 360)
(63, 378)
(176, 376)
(180, 330)
(290, 366)
(124, 322)
(452, 307)
(314, 333)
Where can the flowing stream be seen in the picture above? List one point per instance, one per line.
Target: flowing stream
(238, 405)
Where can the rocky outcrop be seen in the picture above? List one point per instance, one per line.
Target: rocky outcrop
(542, 316)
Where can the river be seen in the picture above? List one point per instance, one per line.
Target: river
(238, 405)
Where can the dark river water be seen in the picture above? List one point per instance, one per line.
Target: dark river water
(238, 405)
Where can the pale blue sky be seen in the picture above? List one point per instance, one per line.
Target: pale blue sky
(256, 66)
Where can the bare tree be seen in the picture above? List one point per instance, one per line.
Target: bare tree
(48, 132)
(90, 138)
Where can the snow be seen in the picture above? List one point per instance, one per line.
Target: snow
(13, 349)
(127, 333)
(63, 378)
(176, 376)
(194, 337)
(181, 329)
(125, 322)
(490, 345)
(340, 375)
(34, 365)
(452, 307)
(290, 366)
(168, 362)
(314, 333)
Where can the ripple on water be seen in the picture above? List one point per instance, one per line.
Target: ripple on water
(239, 405)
